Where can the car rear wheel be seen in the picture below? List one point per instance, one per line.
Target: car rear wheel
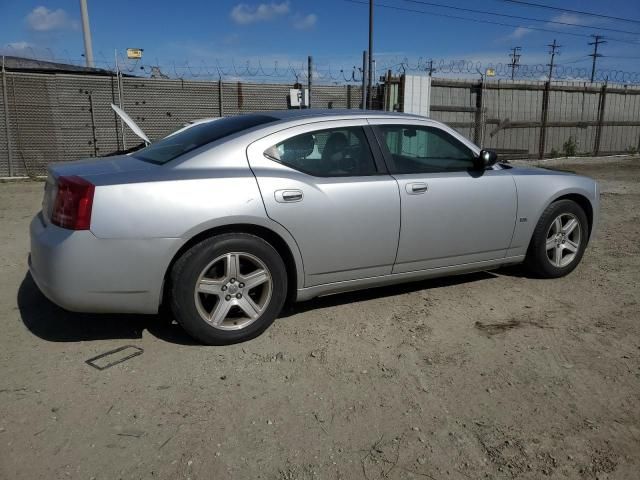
(228, 288)
(559, 240)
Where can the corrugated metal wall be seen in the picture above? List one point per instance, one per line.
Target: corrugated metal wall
(51, 116)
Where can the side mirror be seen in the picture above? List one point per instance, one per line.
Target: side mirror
(486, 158)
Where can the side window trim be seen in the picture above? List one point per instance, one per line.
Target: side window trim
(386, 154)
(367, 138)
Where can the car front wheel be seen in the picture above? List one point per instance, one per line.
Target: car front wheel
(559, 240)
(228, 288)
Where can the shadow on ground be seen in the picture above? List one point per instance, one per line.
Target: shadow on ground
(51, 323)
(387, 291)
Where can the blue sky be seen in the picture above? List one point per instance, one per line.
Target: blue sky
(196, 35)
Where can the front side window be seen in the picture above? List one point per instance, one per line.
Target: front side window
(419, 149)
(334, 152)
(171, 147)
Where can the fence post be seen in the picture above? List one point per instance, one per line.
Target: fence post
(477, 132)
(364, 80)
(93, 125)
(309, 75)
(543, 120)
(601, 105)
(221, 108)
(348, 96)
(5, 102)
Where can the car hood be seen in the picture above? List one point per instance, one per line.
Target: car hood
(518, 170)
(100, 166)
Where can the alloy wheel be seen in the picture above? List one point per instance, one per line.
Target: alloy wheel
(563, 240)
(233, 291)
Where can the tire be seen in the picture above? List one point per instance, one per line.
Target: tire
(209, 297)
(569, 239)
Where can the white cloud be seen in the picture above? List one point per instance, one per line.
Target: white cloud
(18, 49)
(519, 33)
(41, 19)
(244, 14)
(305, 22)
(567, 18)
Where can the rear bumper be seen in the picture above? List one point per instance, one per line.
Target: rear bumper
(83, 273)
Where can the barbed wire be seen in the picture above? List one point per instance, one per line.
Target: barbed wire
(325, 72)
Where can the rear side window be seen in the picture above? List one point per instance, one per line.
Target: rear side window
(419, 149)
(334, 152)
(172, 147)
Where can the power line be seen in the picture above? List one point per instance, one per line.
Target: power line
(490, 22)
(485, 12)
(597, 41)
(579, 12)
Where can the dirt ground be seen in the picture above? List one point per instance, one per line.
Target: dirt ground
(490, 375)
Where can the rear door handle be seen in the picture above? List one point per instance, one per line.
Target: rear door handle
(416, 188)
(288, 196)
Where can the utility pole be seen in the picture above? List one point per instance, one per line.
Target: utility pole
(553, 52)
(515, 60)
(431, 69)
(370, 53)
(86, 33)
(598, 39)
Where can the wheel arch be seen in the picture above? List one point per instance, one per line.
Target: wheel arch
(285, 250)
(582, 201)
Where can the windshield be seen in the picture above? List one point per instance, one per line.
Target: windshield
(173, 146)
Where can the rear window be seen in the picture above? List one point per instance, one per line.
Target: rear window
(172, 147)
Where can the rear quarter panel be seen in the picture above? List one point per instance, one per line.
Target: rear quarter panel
(180, 202)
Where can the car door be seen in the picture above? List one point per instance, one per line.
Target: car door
(324, 183)
(451, 214)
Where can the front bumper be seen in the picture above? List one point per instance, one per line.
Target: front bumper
(83, 273)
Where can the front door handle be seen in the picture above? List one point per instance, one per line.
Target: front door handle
(288, 196)
(416, 188)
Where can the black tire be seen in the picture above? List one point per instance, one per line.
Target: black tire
(537, 260)
(187, 269)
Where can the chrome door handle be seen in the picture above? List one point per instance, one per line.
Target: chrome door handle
(288, 196)
(416, 188)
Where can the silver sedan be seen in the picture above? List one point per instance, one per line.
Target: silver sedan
(227, 219)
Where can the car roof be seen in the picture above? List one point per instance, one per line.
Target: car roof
(309, 113)
(319, 113)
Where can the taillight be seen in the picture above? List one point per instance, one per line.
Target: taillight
(72, 206)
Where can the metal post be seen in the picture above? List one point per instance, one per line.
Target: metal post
(86, 33)
(5, 102)
(93, 126)
(349, 96)
(477, 131)
(369, 69)
(364, 80)
(309, 76)
(119, 80)
(601, 107)
(543, 120)
(220, 104)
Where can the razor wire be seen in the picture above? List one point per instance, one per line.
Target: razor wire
(326, 72)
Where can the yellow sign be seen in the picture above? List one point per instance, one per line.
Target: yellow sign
(490, 72)
(134, 53)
